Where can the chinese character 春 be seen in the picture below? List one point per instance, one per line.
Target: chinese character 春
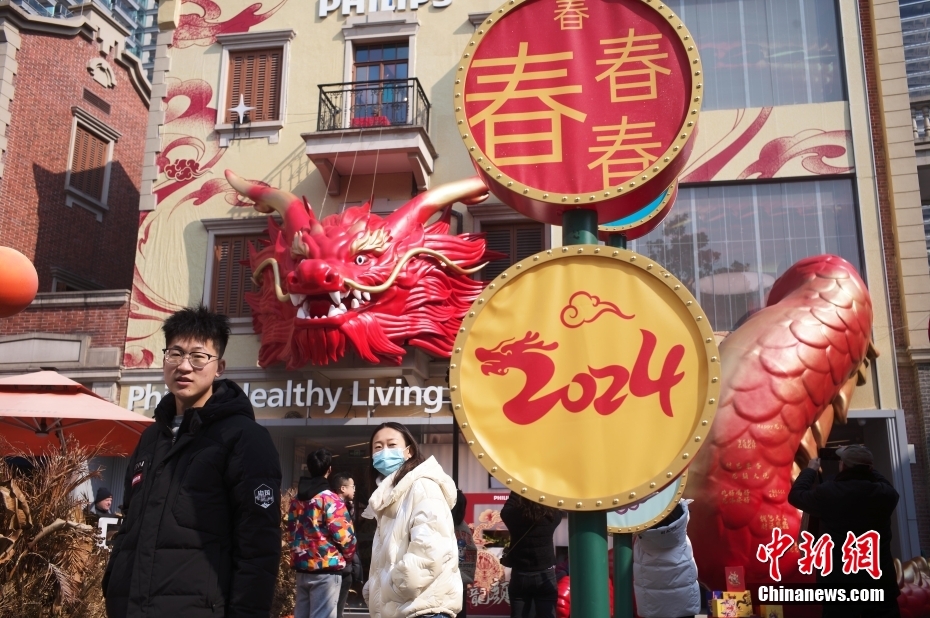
(636, 83)
(819, 554)
(861, 554)
(504, 129)
(570, 14)
(638, 156)
(772, 551)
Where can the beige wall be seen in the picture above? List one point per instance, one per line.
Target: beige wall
(172, 263)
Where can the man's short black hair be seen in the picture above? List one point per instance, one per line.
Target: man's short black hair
(319, 462)
(337, 480)
(199, 324)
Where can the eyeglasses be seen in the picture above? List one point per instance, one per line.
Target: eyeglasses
(198, 360)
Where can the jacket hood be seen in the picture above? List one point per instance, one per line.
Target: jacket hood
(227, 400)
(385, 495)
(668, 536)
(310, 486)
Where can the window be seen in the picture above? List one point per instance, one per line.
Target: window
(384, 102)
(728, 244)
(759, 53)
(90, 153)
(232, 277)
(253, 71)
(255, 77)
(516, 241)
(88, 162)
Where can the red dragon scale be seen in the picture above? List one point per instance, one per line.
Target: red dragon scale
(355, 277)
(787, 376)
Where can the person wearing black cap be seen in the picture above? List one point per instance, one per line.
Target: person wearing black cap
(856, 500)
(102, 503)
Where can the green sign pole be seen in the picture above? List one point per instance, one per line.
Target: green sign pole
(617, 240)
(623, 576)
(587, 531)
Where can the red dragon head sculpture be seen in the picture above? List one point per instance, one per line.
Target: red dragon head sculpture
(376, 282)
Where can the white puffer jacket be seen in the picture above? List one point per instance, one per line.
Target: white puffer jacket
(664, 573)
(415, 556)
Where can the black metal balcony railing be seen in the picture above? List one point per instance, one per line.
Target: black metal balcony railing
(362, 105)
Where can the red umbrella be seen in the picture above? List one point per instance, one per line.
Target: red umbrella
(42, 406)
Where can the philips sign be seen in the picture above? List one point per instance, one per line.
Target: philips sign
(360, 6)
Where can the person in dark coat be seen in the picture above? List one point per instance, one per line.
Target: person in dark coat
(857, 500)
(202, 529)
(343, 485)
(531, 557)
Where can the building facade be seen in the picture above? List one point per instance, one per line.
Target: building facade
(805, 147)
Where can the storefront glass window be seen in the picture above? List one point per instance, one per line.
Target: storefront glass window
(729, 243)
(758, 53)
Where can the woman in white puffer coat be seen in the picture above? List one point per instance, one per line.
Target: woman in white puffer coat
(664, 572)
(415, 555)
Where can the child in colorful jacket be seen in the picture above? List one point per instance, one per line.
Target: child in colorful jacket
(322, 540)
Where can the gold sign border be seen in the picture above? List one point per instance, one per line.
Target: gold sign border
(686, 131)
(672, 191)
(668, 509)
(510, 479)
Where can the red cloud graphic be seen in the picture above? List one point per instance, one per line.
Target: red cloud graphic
(583, 308)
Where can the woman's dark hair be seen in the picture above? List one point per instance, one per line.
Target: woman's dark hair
(319, 462)
(535, 511)
(199, 324)
(458, 511)
(415, 458)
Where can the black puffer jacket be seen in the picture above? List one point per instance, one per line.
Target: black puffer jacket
(531, 545)
(202, 532)
(857, 500)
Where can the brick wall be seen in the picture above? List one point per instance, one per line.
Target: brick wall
(106, 324)
(51, 76)
(908, 384)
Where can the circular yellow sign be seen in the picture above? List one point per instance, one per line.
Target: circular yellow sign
(585, 377)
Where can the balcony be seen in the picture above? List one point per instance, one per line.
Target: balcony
(372, 127)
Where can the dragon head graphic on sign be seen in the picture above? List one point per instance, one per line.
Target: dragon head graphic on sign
(375, 282)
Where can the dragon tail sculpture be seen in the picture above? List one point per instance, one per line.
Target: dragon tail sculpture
(787, 374)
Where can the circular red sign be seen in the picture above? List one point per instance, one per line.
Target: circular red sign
(579, 104)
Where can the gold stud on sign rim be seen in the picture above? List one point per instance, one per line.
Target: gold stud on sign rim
(631, 299)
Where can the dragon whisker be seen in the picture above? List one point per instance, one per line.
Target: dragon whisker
(277, 278)
(377, 289)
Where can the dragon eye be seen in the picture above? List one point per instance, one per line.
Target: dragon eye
(360, 259)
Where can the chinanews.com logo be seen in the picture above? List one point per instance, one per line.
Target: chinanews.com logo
(859, 554)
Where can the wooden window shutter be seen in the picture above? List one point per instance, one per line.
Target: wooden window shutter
(516, 241)
(232, 277)
(88, 163)
(256, 75)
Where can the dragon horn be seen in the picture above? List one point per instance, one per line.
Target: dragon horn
(422, 207)
(296, 213)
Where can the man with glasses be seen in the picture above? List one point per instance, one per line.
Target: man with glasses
(202, 528)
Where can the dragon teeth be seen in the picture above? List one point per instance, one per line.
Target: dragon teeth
(342, 308)
(366, 296)
(336, 298)
(357, 294)
(333, 311)
(297, 299)
(354, 304)
(302, 314)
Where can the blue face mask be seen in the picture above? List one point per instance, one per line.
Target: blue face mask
(388, 460)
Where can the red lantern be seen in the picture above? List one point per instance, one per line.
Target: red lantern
(18, 282)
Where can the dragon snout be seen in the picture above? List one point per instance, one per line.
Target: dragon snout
(315, 274)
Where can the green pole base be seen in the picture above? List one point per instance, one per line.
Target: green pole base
(623, 576)
(587, 556)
